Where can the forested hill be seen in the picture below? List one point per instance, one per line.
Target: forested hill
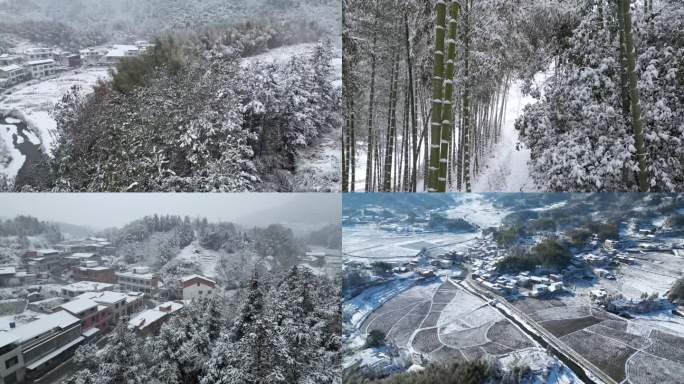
(92, 22)
(159, 240)
(187, 116)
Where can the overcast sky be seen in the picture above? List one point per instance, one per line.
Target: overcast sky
(102, 210)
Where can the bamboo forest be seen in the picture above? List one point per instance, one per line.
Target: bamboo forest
(513, 95)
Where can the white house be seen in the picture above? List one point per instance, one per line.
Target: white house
(14, 73)
(41, 68)
(35, 54)
(197, 287)
(118, 52)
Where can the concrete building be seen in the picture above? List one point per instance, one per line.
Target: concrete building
(70, 60)
(7, 59)
(119, 303)
(197, 287)
(39, 53)
(11, 360)
(91, 313)
(41, 68)
(138, 280)
(13, 74)
(75, 289)
(150, 321)
(41, 261)
(98, 274)
(118, 52)
(44, 343)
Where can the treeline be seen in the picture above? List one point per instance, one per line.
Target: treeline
(121, 20)
(467, 372)
(30, 226)
(183, 118)
(286, 329)
(53, 34)
(329, 236)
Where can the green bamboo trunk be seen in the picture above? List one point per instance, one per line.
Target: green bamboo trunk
(634, 96)
(437, 95)
(466, 101)
(448, 98)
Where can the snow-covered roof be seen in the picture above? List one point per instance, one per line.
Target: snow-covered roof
(44, 251)
(7, 338)
(85, 286)
(120, 50)
(79, 305)
(190, 277)
(133, 296)
(59, 319)
(104, 297)
(11, 68)
(8, 270)
(38, 50)
(142, 276)
(39, 62)
(82, 255)
(170, 306)
(145, 318)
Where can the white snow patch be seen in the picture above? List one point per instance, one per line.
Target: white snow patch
(17, 159)
(35, 99)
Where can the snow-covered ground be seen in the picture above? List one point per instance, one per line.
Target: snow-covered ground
(205, 258)
(11, 159)
(280, 55)
(36, 99)
(370, 243)
(507, 170)
(479, 211)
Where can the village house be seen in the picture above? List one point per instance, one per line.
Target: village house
(7, 59)
(13, 74)
(150, 321)
(38, 53)
(94, 273)
(119, 52)
(196, 287)
(138, 280)
(41, 261)
(41, 68)
(70, 60)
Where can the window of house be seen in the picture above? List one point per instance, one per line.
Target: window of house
(11, 362)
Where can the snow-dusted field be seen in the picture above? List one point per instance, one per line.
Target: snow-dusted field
(479, 211)
(366, 243)
(35, 100)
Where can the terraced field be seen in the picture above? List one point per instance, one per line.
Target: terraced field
(449, 325)
(624, 350)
